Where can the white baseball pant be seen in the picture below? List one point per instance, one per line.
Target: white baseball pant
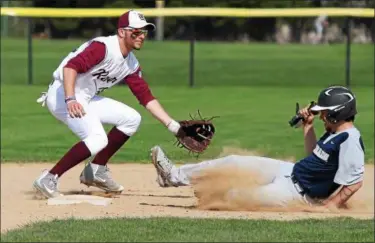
(278, 190)
(99, 110)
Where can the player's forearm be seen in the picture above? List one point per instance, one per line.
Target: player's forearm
(69, 81)
(155, 108)
(343, 195)
(310, 138)
(158, 112)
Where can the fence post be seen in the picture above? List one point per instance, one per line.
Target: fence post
(30, 51)
(4, 20)
(347, 62)
(192, 43)
(159, 21)
(294, 25)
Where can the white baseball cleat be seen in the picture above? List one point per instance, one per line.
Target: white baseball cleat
(163, 167)
(162, 182)
(99, 176)
(46, 184)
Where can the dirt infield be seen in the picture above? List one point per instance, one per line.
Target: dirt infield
(142, 198)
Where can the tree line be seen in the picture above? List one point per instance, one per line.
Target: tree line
(205, 28)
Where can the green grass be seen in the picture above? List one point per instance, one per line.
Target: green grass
(216, 64)
(192, 230)
(30, 133)
(253, 88)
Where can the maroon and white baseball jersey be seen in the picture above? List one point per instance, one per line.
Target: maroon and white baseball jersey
(101, 65)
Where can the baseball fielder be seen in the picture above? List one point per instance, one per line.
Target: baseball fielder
(73, 98)
(330, 174)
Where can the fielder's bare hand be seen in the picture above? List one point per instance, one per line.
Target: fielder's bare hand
(307, 116)
(75, 109)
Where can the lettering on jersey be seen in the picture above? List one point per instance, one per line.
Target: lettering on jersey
(102, 75)
(320, 153)
(101, 90)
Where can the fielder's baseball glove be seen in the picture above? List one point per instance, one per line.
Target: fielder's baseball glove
(196, 134)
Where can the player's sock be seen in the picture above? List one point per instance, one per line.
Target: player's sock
(116, 139)
(74, 156)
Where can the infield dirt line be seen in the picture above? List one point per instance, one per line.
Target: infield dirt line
(142, 198)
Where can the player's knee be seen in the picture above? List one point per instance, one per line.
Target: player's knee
(95, 143)
(131, 124)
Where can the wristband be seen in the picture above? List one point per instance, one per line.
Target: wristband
(173, 127)
(69, 99)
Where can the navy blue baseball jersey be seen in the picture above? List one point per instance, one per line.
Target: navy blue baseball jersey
(338, 159)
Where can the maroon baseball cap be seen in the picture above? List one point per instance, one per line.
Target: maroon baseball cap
(134, 19)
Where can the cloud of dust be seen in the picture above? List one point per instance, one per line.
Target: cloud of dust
(230, 189)
(214, 190)
(239, 151)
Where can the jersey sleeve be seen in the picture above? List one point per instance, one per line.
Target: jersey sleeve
(139, 87)
(351, 163)
(324, 136)
(92, 55)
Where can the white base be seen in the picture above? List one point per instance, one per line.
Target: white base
(76, 199)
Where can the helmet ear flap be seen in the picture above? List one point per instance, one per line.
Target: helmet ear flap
(342, 112)
(332, 116)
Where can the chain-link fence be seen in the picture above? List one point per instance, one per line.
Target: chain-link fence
(206, 50)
